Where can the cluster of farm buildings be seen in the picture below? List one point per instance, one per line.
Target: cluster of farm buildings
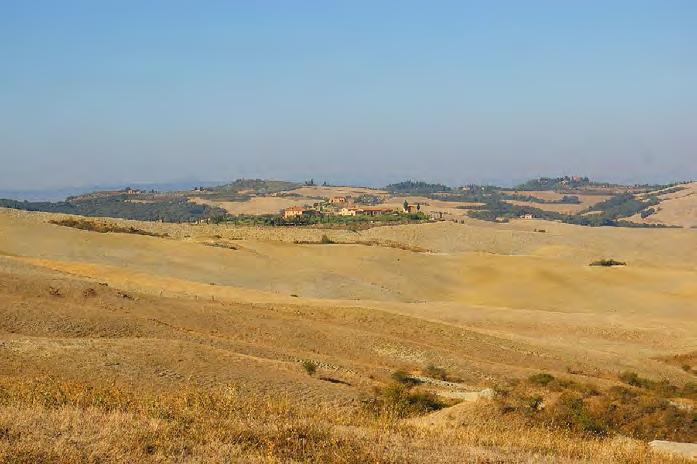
(342, 206)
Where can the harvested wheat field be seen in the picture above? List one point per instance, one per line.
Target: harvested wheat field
(433, 342)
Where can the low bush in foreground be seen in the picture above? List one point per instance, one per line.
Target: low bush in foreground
(643, 411)
(402, 400)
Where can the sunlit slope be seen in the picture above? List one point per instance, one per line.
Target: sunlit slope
(496, 299)
(511, 268)
(675, 208)
(70, 326)
(547, 272)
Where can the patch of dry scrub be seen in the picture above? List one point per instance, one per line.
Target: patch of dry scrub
(46, 420)
(643, 409)
(325, 240)
(50, 421)
(103, 227)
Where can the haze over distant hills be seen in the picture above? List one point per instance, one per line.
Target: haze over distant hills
(61, 193)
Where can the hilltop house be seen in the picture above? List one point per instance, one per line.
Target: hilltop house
(347, 211)
(292, 212)
(337, 200)
(375, 211)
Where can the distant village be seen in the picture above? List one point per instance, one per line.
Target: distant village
(343, 206)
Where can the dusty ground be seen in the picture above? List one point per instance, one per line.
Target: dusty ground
(487, 301)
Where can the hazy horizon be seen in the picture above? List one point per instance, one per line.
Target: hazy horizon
(363, 94)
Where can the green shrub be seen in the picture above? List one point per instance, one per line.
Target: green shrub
(639, 410)
(310, 367)
(435, 372)
(608, 263)
(571, 412)
(400, 400)
(402, 377)
(542, 379)
(633, 379)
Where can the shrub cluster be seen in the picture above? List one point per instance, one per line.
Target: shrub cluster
(608, 263)
(435, 372)
(641, 410)
(171, 209)
(399, 400)
(103, 227)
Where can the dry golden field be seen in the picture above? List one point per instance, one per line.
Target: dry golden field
(675, 209)
(586, 201)
(216, 343)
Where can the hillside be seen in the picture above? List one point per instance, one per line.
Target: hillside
(573, 200)
(198, 310)
(677, 207)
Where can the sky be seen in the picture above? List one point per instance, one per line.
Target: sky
(354, 92)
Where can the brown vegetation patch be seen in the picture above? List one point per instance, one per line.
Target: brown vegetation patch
(325, 240)
(642, 410)
(102, 227)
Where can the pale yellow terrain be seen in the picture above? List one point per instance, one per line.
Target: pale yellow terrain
(554, 207)
(675, 209)
(502, 280)
(255, 205)
(586, 201)
(329, 191)
(490, 302)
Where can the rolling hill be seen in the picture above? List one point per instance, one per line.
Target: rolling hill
(209, 309)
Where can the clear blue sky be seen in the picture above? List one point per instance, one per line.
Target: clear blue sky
(357, 91)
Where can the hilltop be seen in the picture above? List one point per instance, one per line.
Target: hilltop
(573, 200)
